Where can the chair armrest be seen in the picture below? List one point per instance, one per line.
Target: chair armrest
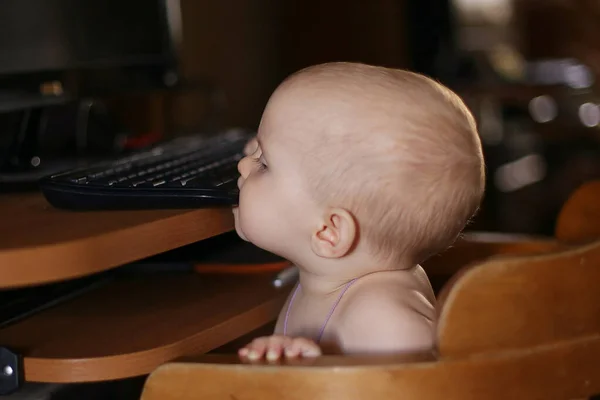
(566, 369)
(227, 377)
(323, 361)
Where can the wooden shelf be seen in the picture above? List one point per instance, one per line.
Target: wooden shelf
(40, 244)
(132, 325)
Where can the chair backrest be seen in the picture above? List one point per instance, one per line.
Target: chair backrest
(577, 223)
(579, 218)
(476, 247)
(519, 302)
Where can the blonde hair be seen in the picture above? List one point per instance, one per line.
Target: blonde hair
(408, 163)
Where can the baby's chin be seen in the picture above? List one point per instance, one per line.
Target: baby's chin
(238, 230)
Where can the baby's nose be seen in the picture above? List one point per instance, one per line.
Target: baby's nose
(244, 167)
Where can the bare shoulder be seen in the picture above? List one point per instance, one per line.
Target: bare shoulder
(387, 314)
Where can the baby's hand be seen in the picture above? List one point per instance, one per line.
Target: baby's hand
(275, 347)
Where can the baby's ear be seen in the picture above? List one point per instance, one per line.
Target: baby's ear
(336, 235)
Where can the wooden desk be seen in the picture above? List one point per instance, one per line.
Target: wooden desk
(40, 244)
(129, 326)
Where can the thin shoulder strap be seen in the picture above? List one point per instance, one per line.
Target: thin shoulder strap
(287, 313)
(333, 309)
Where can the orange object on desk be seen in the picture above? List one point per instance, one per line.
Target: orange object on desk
(242, 268)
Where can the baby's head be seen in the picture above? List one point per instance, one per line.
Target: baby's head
(356, 157)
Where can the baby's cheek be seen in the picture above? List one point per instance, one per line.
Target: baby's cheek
(254, 227)
(248, 222)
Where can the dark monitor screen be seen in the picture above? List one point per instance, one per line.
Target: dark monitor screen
(68, 34)
(46, 37)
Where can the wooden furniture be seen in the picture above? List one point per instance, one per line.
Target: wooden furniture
(509, 328)
(130, 324)
(579, 219)
(125, 327)
(578, 222)
(40, 244)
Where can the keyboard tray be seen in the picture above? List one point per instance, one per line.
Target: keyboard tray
(130, 326)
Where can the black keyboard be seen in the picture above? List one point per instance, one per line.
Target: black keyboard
(187, 172)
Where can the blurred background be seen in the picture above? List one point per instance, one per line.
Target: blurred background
(527, 68)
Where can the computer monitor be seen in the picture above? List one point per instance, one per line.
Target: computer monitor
(55, 53)
(85, 48)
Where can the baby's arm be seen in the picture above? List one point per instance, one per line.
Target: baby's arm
(381, 322)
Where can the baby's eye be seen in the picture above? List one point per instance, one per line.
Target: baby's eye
(261, 164)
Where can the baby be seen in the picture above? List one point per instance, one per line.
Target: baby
(357, 175)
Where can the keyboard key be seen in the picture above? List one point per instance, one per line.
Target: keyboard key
(197, 181)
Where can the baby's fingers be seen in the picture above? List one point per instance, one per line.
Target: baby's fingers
(301, 347)
(255, 349)
(276, 346)
(269, 347)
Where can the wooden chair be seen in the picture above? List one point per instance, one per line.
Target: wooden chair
(578, 222)
(519, 327)
(579, 219)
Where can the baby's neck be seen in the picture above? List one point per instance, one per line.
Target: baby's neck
(321, 285)
(333, 276)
